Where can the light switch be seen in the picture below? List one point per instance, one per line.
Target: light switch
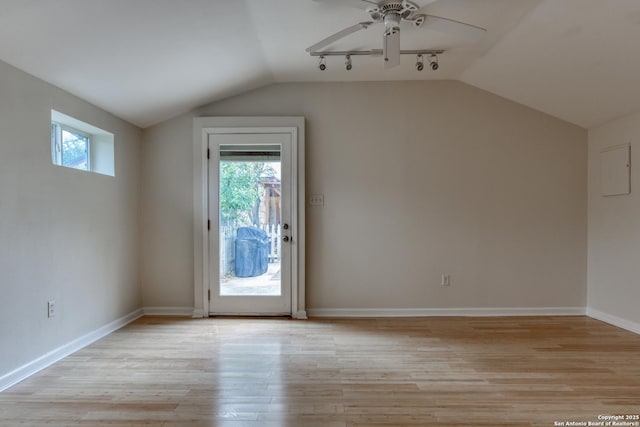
(316, 200)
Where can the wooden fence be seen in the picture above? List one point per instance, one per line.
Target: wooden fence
(227, 249)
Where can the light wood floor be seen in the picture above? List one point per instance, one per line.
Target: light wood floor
(393, 372)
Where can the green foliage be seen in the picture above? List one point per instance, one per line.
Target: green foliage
(240, 191)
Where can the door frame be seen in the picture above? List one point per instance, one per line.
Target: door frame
(202, 128)
(252, 305)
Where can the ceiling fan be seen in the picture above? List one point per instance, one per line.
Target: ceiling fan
(392, 13)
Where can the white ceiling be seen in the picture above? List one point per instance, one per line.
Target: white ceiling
(150, 60)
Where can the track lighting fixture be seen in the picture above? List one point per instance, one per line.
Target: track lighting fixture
(433, 62)
(347, 63)
(423, 56)
(322, 65)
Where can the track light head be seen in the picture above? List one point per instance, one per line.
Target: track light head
(347, 63)
(419, 63)
(322, 65)
(433, 62)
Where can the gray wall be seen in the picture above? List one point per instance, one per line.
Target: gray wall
(614, 231)
(419, 178)
(66, 235)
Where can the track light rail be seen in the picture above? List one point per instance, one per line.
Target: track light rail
(376, 52)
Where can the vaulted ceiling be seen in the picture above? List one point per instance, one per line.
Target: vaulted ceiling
(149, 60)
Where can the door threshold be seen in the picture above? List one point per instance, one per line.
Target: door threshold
(250, 316)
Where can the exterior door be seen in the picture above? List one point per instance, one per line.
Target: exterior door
(250, 211)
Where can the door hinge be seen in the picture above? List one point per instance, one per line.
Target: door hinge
(208, 153)
(208, 224)
(209, 294)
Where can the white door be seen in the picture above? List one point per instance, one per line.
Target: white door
(250, 213)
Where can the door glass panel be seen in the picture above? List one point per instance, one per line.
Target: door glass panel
(250, 220)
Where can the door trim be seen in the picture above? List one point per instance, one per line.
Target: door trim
(202, 128)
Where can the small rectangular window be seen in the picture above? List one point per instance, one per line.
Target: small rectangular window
(70, 147)
(79, 145)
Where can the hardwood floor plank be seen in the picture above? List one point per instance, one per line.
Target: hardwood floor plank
(338, 373)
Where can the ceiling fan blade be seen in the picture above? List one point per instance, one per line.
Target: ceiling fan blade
(454, 28)
(391, 48)
(337, 36)
(359, 4)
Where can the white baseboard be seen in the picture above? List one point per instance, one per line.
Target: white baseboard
(440, 312)
(197, 313)
(169, 311)
(614, 320)
(300, 315)
(63, 351)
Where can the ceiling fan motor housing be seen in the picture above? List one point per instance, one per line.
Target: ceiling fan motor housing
(404, 9)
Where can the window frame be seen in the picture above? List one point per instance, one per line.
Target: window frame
(56, 144)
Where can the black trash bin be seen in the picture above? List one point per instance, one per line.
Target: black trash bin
(252, 252)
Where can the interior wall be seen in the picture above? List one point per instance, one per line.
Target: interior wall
(65, 235)
(167, 214)
(614, 231)
(420, 179)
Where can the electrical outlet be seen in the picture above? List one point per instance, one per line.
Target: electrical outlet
(445, 280)
(51, 308)
(316, 200)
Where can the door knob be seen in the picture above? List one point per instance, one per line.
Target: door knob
(285, 226)
(285, 239)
